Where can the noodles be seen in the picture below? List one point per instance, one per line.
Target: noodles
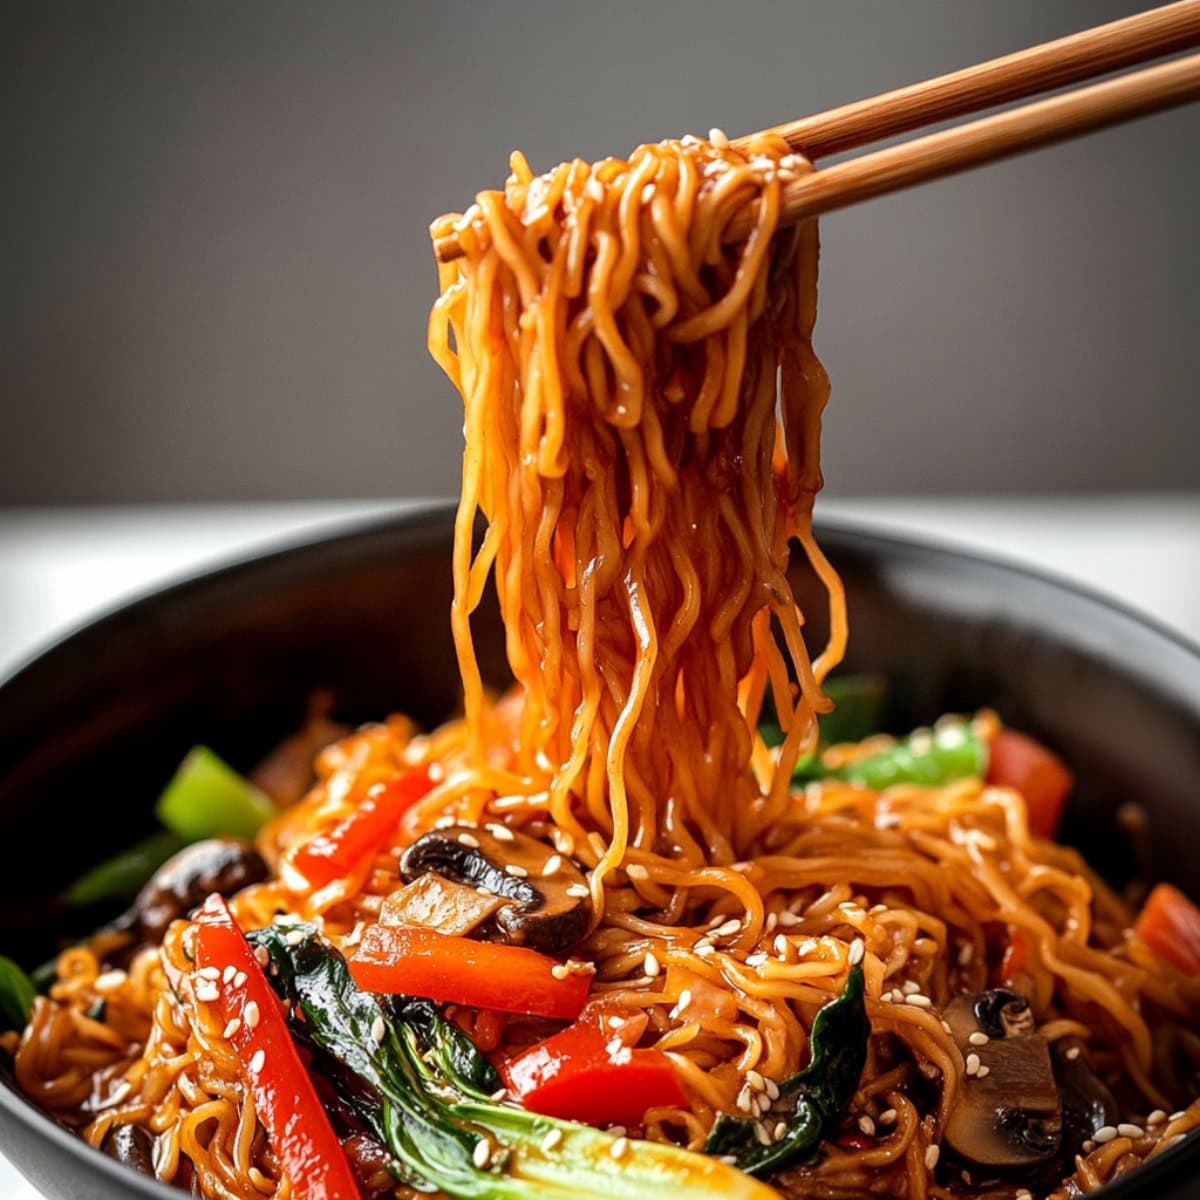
(642, 418)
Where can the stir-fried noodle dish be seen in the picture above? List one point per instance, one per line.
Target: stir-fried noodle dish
(670, 916)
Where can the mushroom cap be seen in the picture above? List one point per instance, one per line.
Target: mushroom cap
(547, 912)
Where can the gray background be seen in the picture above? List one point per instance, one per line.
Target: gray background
(216, 271)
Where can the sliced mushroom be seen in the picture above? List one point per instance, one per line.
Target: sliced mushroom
(132, 1145)
(1087, 1105)
(1009, 1114)
(441, 904)
(183, 882)
(547, 909)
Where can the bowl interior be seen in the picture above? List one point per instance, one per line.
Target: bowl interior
(91, 729)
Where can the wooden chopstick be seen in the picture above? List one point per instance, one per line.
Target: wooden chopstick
(987, 140)
(1085, 55)
(1133, 40)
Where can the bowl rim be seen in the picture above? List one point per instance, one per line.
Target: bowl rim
(429, 521)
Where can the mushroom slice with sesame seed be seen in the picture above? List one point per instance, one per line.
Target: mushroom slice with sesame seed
(1009, 1114)
(548, 911)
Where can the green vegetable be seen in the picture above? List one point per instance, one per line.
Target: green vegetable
(16, 995)
(811, 1101)
(931, 757)
(858, 712)
(122, 876)
(423, 1090)
(206, 798)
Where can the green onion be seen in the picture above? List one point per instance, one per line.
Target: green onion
(206, 798)
(16, 995)
(122, 876)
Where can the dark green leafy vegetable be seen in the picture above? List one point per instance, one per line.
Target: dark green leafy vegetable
(423, 1090)
(16, 995)
(120, 877)
(207, 797)
(811, 1101)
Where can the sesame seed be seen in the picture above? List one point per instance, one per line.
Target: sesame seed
(887, 1117)
(261, 955)
(705, 949)
(1104, 1134)
(919, 1001)
(755, 1080)
(848, 906)
(946, 1026)
(239, 979)
(729, 928)
(378, 1030)
(856, 952)
(472, 843)
(972, 1063)
(206, 992)
(745, 1101)
(258, 1061)
(979, 1039)
(482, 1153)
(685, 998)
(209, 973)
(788, 920)
(295, 937)
(1157, 1117)
(578, 890)
(650, 965)
(436, 772)
(756, 960)
(771, 921)
(781, 944)
(231, 1028)
(109, 981)
(552, 1138)
(1072, 1053)
(228, 974)
(517, 872)
(444, 822)
(618, 1148)
(730, 1160)
(1177, 1116)
(932, 1154)
(250, 1014)
(761, 1134)
(638, 872)
(564, 841)
(1088, 1146)
(1131, 1131)
(559, 971)
(780, 1129)
(552, 866)
(502, 833)
(983, 1072)
(866, 1125)
(910, 988)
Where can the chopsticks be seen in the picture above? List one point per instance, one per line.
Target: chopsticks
(1128, 42)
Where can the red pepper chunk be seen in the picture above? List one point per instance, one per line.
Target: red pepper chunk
(284, 1096)
(1019, 762)
(415, 961)
(362, 834)
(586, 1073)
(1169, 924)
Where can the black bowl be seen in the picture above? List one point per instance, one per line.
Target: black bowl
(91, 728)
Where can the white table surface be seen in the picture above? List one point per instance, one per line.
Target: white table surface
(60, 566)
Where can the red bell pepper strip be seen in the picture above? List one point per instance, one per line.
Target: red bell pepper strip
(1019, 762)
(1169, 924)
(415, 961)
(1016, 956)
(362, 834)
(284, 1095)
(586, 1073)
